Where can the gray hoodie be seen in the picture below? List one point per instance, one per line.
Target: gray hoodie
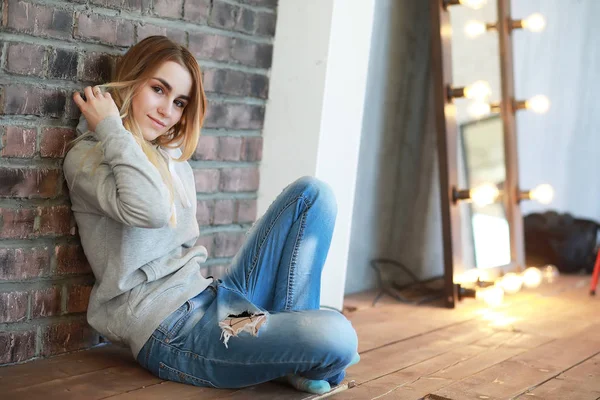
(144, 267)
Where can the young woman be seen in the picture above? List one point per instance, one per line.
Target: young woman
(134, 199)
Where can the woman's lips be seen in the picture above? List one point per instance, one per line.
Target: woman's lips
(156, 122)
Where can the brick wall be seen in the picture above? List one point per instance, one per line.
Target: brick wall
(51, 48)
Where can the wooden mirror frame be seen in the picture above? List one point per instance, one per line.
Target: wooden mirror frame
(447, 136)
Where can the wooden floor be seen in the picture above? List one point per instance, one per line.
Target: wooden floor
(542, 344)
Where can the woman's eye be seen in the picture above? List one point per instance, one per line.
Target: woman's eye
(179, 104)
(157, 89)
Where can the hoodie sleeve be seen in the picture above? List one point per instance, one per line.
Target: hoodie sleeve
(125, 186)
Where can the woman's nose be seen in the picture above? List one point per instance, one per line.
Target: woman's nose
(165, 110)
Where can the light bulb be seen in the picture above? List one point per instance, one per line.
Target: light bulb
(474, 4)
(550, 273)
(478, 109)
(535, 22)
(484, 194)
(538, 104)
(475, 28)
(532, 277)
(511, 283)
(492, 295)
(543, 193)
(479, 90)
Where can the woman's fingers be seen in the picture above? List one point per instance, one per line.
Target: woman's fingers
(78, 100)
(88, 93)
(97, 91)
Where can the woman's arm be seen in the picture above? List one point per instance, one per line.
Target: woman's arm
(125, 186)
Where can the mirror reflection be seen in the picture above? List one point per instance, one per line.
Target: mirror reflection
(476, 67)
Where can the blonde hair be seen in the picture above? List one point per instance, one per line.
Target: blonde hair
(133, 70)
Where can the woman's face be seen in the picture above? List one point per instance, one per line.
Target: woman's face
(159, 103)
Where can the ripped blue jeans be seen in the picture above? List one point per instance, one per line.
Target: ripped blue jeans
(262, 321)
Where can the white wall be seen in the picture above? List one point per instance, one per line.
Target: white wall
(397, 204)
(561, 147)
(315, 109)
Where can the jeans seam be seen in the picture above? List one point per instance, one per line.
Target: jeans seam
(149, 350)
(188, 353)
(307, 203)
(292, 269)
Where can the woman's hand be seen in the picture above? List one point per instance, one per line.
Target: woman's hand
(97, 107)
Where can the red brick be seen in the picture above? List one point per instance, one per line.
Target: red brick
(266, 23)
(239, 180)
(253, 54)
(17, 223)
(204, 212)
(223, 15)
(70, 259)
(131, 5)
(230, 148)
(143, 31)
(64, 337)
(252, 148)
(56, 220)
(196, 11)
(207, 180)
(78, 297)
(246, 211)
(207, 241)
(16, 346)
(26, 59)
(31, 100)
(211, 47)
(63, 64)
(260, 3)
(39, 20)
(106, 30)
(98, 67)
(207, 148)
(54, 141)
(246, 21)
(29, 183)
(13, 306)
(234, 116)
(168, 8)
(17, 264)
(45, 302)
(224, 212)
(18, 142)
(227, 244)
(236, 83)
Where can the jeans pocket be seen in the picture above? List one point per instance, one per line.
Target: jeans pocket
(171, 374)
(173, 323)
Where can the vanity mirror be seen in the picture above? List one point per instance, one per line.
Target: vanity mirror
(475, 106)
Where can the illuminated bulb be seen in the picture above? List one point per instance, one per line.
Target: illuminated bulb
(479, 109)
(543, 193)
(532, 277)
(538, 104)
(468, 277)
(479, 90)
(535, 22)
(484, 194)
(511, 283)
(474, 4)
(475, 28)
(492, 295)
(550, 273)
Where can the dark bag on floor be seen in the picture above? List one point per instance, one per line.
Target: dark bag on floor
(562, 240)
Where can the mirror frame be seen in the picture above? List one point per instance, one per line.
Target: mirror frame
(447, 137)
